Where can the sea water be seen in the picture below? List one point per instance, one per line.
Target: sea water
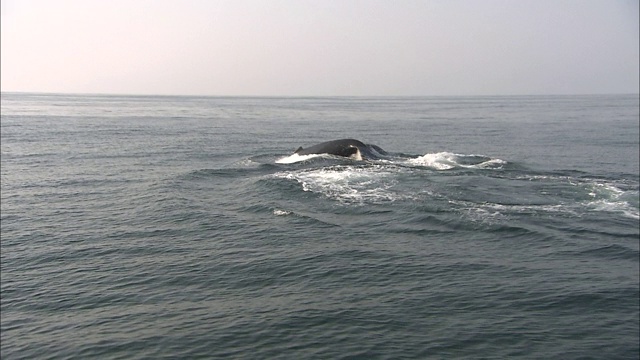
(145, 227)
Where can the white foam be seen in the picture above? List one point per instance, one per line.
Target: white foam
(490, 212)
(448, 160)
(524, 209)
(611, 198)
(604, 189)
(492, 164)
(296, 158)
(615, 206)
(348, 184)
(247, 163)
(377, 183)
(438, 161)
(278, 212)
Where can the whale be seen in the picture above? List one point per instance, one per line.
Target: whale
(349, 148)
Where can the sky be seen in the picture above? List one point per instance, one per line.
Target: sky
(321, 47)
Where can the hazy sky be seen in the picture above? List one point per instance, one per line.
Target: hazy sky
(321, 47)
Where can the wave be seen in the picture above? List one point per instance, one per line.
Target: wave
(487, 190)
(348, 184)
(622, 207)
(448, 160)
(583, 197)
(436, 161)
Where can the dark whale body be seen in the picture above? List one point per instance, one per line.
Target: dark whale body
(350, 148)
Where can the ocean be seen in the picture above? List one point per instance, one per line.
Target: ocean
(178, 227)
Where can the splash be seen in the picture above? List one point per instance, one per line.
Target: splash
(295, 158)
(396, 178)
(448, 160)
(612, 197)
(348, 184)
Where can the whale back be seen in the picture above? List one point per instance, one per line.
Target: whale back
(350, 148)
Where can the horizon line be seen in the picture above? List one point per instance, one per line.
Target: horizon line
(307, 96)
